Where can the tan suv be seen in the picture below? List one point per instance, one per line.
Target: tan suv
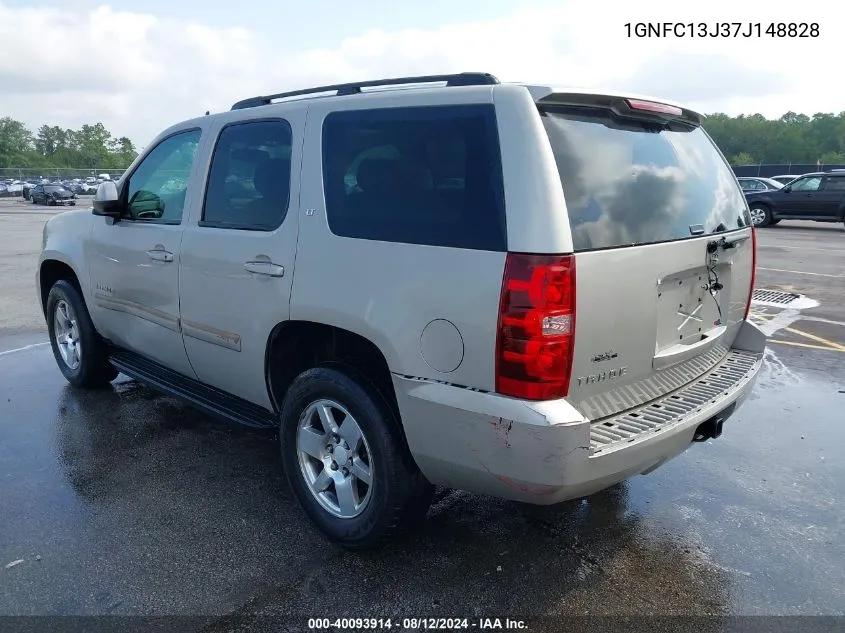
(508, 289)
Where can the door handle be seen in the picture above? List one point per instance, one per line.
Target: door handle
(160, 256)
(265, 268)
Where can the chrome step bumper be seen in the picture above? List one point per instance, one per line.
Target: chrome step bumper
(634, 425)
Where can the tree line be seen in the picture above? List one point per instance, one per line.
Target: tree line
(91, 146)
(793, 138)
(744, 139)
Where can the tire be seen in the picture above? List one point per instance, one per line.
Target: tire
(774, 222)
(398, 494)
(84, 361)
(760, 215)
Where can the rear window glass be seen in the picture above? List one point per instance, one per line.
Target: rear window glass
(417, 175)
(630, 182)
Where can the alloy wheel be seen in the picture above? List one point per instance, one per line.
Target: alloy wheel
(66, 330)
(334, 458)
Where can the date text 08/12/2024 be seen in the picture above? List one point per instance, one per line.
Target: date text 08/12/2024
(722, 29)
(416, 624)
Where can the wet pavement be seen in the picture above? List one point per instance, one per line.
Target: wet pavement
(127, 502)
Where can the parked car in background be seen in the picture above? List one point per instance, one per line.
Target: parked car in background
(758, 184)
(52, 195)
(76, 187)
(819, 197)
(785, 179)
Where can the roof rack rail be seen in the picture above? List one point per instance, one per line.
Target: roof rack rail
(459, 79)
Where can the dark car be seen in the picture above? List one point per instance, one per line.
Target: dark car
(819, 197)
(52, 195)
(76, 187)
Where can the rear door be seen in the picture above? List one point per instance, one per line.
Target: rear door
(659, 298)
(238, 253)
(831, 197)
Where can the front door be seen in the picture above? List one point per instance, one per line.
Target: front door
(134, 263)
(238, 254)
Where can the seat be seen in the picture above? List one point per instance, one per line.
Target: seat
(272, 181)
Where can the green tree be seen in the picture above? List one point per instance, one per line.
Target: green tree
(93, 145)
(743, 158)
(832, 158)
(793, 138)
(15, 143)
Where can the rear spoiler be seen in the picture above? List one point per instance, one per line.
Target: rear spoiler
(643, 108)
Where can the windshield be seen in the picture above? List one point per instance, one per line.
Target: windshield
(53, 188)
(632, 182)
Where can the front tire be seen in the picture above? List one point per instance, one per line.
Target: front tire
(346, 460)
(760, 215)
(78, 349)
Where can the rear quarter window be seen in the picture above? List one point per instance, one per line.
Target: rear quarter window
(421, 175)
(836, 184)
(628, 182)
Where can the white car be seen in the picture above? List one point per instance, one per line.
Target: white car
(785, 179)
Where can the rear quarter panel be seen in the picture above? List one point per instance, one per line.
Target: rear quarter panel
(389, 292)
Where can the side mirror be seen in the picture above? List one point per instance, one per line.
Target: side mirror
(107, 201)
(786, 189)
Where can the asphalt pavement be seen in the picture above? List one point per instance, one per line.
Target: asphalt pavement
(126, 502)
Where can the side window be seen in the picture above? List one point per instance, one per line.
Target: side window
(249, 181)
(157, 188)
(422, 175)
(835, 184)
(807, 184)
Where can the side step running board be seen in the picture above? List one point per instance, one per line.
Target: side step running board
(209, 399)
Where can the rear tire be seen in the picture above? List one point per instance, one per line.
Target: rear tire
(760, 215)
(346, 460)
(78, 349)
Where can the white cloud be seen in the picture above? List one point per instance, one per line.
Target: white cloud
(138, 73)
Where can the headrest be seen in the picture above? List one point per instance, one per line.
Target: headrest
(392, 174)
(272, 177)
(377, 174)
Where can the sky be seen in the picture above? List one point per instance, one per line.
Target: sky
(139, 66)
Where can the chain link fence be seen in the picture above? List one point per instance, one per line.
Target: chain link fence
(15, 182)
(56, 173)
(767, 170)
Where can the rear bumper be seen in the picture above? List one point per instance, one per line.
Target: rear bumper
(548, 452)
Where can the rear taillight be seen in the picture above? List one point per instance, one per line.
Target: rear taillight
(753, 269)
(536, 326)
